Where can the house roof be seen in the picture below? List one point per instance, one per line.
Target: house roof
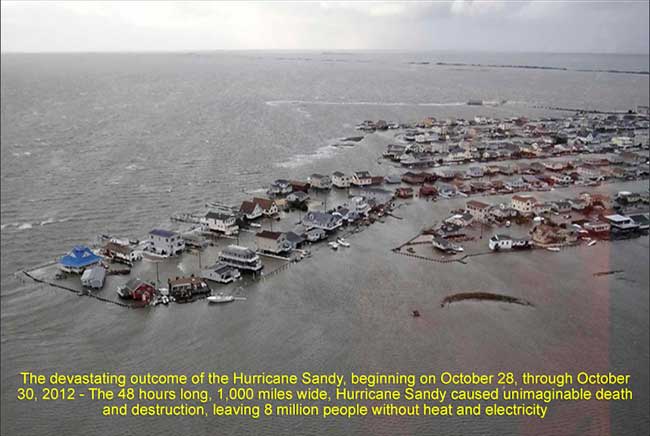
(524, 198)
(477, 204)
(163, 233)
(218, 216)
(264, 203)
(186, 281)
(338, 174)
(117, 248)
(294, 237)
(363, 174)
(79, 256)
(247, 207)
(269, 235)
(94, 273)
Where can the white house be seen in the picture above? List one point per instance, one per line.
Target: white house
(220, 222)
(506, 242)
(269, 207)
(361, 178)
(341, 180)
(165, 242)
(250, 210)
(523, 204)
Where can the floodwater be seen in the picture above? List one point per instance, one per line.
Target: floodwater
(117, 143)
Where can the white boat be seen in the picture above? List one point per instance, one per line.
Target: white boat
(220, 298)
(256, 225)
(553, 249)
(334, 245)
(343, 242)
(591, 244)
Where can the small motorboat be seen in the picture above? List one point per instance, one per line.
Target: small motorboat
(256, 225)
(553, 249)
(220, 298)
(343, 242)
(334, 245)
(591, 244)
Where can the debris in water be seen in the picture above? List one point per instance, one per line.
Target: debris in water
(483, 296)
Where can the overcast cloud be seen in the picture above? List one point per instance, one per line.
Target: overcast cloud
(620, 27)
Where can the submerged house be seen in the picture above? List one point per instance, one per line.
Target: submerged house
(272, 242)
(183, 288)
(320, 181)
(221, 223)
(122, 253)
(137, 289)
(250, 210)
(341, 180)
(321, 220)
(280, 187)
(165, 242)
(78, 259)
(361, 178)
(93, 277)
(220, 272)
(269, 207)
(523, 204)
(478, 210)
(240, 258)
(506, 242)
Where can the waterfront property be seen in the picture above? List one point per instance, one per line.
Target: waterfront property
(505, 242)
(620, 224)
(361, 178)
(269, 207)
(597, 227)
(478, 210)
(272, 242)
(137, 289)
(220, 272)
(93, 277)
(321, 220)
(280, 187)
(184, 288)
(242, 258)
(165, 242)
(298, 197)
(523, 204)
(320, 181)
(120, 252)
(220, 223)
(341, 180)
(250, 210)
(78, 259)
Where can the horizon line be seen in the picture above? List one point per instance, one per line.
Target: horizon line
(367, 50)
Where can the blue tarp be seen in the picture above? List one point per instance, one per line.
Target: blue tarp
(79, 257)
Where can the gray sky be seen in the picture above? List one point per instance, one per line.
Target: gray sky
(620, 27)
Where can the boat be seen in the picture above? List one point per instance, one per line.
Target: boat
(591, 244)
(220, 298)
(343, 242)
(334, 245)
(256, 225)
(553, 249)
